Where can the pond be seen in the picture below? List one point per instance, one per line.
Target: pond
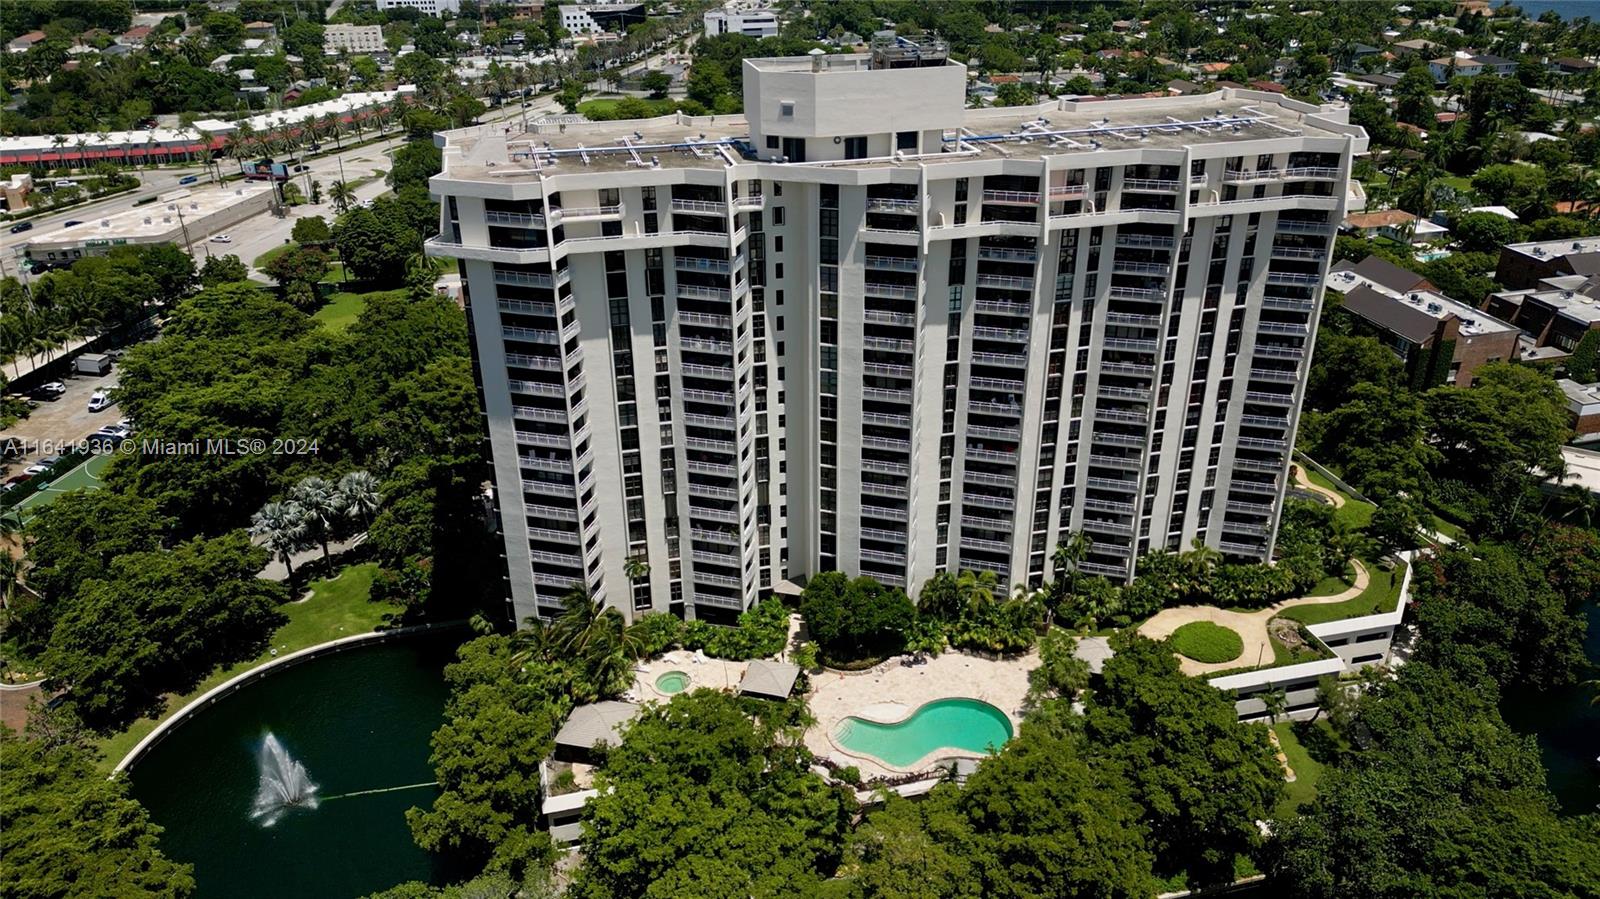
(343, 741)
(1567, 727)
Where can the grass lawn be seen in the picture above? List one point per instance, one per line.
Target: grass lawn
(1382, 592)
(337, 608)
(1207, 642)
(1354, 512)
(1307, 772)
(1459, 182)
(604, 107)
(272, 254)
(1448, 528)
(1334, 584)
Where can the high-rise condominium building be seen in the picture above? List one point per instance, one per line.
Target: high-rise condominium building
(865, 328)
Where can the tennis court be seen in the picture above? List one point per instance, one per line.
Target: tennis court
(84, 477)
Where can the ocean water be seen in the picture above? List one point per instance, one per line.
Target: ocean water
(1567, 9)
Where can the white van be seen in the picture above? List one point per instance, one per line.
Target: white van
(99, 401)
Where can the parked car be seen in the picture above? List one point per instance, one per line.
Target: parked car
(315, 147)
(36, 468)
(301, 168)
(20, 227)
(73, 223)
(188, 179)
(222, 238)
(19, 479)
(50, 390)
(99, 401)
(50, 460)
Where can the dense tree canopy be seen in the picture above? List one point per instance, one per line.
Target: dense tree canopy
(72, 834)
(703, 800)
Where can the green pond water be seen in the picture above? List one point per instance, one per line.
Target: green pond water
(964, 724)
(1567, 727)
(672, 682)
(357, 721)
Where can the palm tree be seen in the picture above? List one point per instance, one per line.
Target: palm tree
(323, 508)
(1069, 554)
(342, 195)
(636, 568)
(581, 621)
(358, 491)
(976, 588)
(283, 529)
(1275, 704)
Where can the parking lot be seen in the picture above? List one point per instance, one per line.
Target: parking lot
(55, 424)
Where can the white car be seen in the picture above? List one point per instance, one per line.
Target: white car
(222, 238)
(100, 401)
(36, 468)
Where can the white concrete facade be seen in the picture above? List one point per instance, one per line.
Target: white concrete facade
(943, 340)
(431, 7)
(748, 22)
(353, 39)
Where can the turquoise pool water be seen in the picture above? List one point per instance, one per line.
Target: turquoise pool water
(964, 724)
(672, 682)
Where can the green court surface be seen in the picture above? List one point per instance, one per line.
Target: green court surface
(84, 477)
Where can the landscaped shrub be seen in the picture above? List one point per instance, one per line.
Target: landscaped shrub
(763, 631)
(856, 620)
(1206, 642)
(657, 633)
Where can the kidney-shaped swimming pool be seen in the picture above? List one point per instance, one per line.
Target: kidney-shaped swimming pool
(964, 725)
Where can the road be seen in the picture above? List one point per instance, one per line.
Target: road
(357, 162)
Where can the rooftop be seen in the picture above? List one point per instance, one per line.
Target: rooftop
(599, 722)
(769, 679)
(153, 219)
(1416, 315)
(559, 144)
(1580, 395)
(1555, 249)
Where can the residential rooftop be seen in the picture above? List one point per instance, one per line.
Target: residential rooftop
(1578, 303)
(560, 145)
(1555, 249)
(152, 220)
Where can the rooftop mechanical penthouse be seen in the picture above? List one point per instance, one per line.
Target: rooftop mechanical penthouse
(864, 328)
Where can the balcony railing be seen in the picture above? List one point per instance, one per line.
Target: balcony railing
(1008, 254)
(999, 307)
(891, 204)
(1272, 399)
(1155, 184)
(893, 263)
(704, 207)
(1010, 196)
(1322, 173)
(1006, 282)
(697, 264)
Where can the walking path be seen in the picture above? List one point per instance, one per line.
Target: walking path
(1304, 481)
(1250, 626)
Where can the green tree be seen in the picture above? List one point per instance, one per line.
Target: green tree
(1485, 232)
(1342, 363)
(498, 728)
(1202, 778)
(1523, 188)
(311, 231)
(297, 273)
(856, 619)
(656, 82)
(415, 163)
(702, 799)
(1060, 673)
(374, 248)
(157, 623)
(70, 832)
(223, 270)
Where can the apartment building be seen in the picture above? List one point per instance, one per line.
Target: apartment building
(751, 22)
(353, 39)
(864, 328)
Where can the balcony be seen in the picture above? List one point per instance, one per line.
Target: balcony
(518, 219)
(1018, 197)
(996, 384)
(1132, 320)
(1293, 278)
(990, 456)
(1121, 415)
(1293, 329)
(896, 319)
(989, 478)
(1297, 226)
(1117, 485)
(532, 279)
(1264, 488)
(887, 513)
(1112, 571)
(986, 407)
(1259, 443)
(1258, 465)
(1003, 360)
(533, 413)
(882, 370)
(1264, 421)
(539, 363)
(1068, 191)
(713, 599)
(555, 441)
(1111, 439)
(889, 344)
(720, 422)
(1131, 369)
(1236, 548)
(1282, 252)
(700, 207)
(898, 469)
(698, 292)
(544, 463)
(550, 535)
(1106, 505)
(1123, 393)
(719, 372)
(708, 513)
(894, 291)
(893, 491)
(539, 388)
(895, 445)
(1005, 282)
(1158, 185)
(700, 345)
(1131, 267)
(548, 488)
(1124, 463)
(889, 421)
(1250, 176)
(721, 580)
(893, 263)
(1243, 508)
(1316, 173)
(992, 433)
(704, 319)
(1290, 304)
(591, 213)
(1009, 335)
(1005, 504)
(979, 543)
(696, 264)
(883, 536)
(719, 469)
(883, 558)
(727, 538)
(1271, 399)
(1130, 345)
(1007, 254)
(998, 307)
(890, 204)
(1145, 241)
(712, 446)
(556, 513)
(885, 395)
(1104, 526)
(706, 490)
(1143, 294)
(1275, 375)
(1268, 351)
(561, 582)
(531, 335)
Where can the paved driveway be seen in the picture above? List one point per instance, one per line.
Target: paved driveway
(56, 423)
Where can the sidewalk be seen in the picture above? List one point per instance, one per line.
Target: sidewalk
(276, 572)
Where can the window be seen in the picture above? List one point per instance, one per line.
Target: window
(772, 142)
(777, 215)
(855, 148)
(786, 109)
(777, 244)
(905, 140)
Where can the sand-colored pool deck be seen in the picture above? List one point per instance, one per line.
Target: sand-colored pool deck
(701, 670)
(894, 691)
